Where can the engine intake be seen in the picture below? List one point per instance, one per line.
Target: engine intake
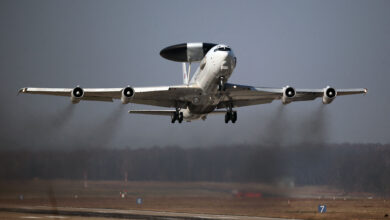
(127, 94)
(77, 95)
(288, 94)
(329, 95)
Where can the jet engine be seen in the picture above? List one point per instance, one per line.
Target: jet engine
(127, 94)
(77, 95)
(329, 95)
(288, 94)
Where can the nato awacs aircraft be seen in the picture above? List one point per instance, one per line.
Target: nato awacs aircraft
(207, 92)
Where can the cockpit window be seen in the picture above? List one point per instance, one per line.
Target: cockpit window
(222, 49)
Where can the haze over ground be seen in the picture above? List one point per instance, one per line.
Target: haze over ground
(304, 44)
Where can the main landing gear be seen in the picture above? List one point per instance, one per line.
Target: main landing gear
(177, 116)
(231, 116)
(221, 84)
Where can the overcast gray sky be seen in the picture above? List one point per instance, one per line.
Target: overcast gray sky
(305, 44)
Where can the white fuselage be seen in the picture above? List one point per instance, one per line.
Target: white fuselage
(219, 62)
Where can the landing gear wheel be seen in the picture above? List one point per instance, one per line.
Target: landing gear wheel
(177, 115)
(174, 117)
(234, 117)
(180, 119)
(230, 115)
(227, 117)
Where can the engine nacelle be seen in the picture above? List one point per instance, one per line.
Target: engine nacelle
(127, 94)
(288, 94)
(329, 95)
(76, 95)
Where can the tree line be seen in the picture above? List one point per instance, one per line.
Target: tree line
(352, 167)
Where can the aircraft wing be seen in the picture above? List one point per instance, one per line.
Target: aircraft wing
(242, 95)
(163, 96)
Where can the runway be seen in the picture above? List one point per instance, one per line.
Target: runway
(64, 212)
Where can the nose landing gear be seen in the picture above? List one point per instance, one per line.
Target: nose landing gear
(221, 84)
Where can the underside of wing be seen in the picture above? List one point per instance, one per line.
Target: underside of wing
(77, 94)
(172, 96)
(163, 96)
(241, 95)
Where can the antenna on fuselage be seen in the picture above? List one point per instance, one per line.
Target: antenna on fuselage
(186, 74)
(186, 53)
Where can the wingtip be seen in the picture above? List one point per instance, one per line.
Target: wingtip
(22, 90)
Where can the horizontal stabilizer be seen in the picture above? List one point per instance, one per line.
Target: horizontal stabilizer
(153, 112)
(216, 112)
(167, 112)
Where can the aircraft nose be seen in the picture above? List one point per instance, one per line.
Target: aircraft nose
(228, 61)
(226, 54)
(231, 58)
